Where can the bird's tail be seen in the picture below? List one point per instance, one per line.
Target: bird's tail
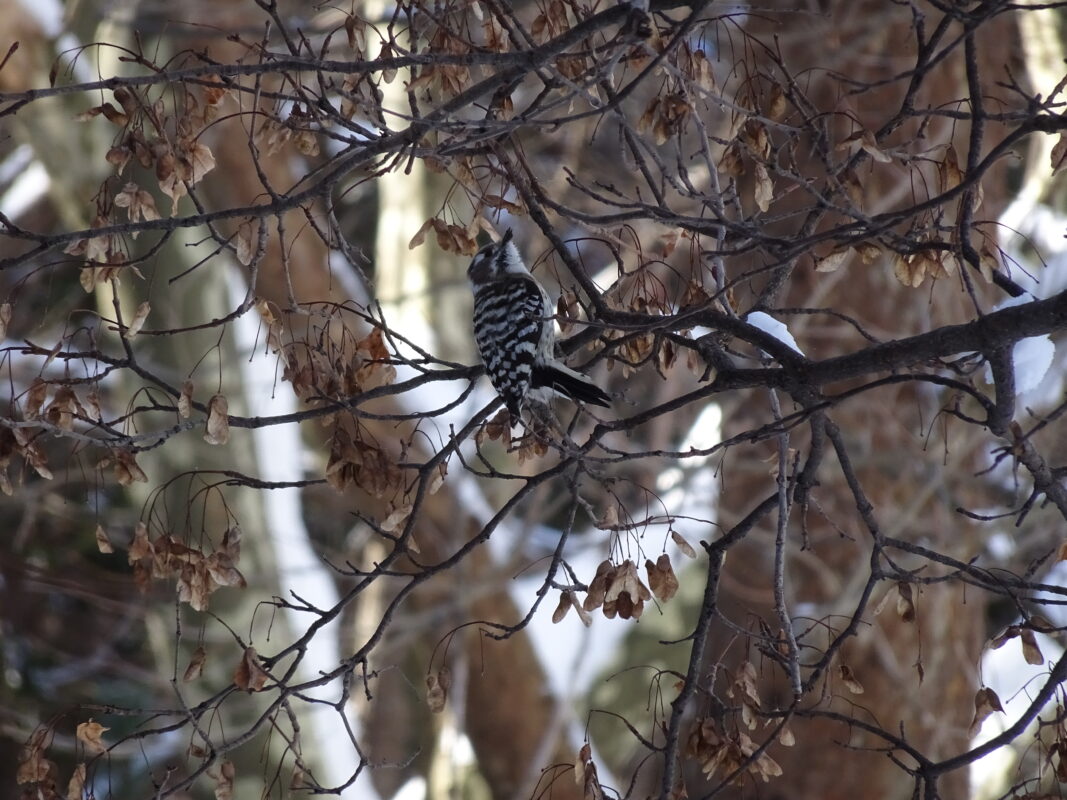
(570, 383)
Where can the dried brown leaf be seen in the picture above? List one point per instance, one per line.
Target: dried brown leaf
(141, 546)
(986, 702)
(905, 602)
(138, 320)
(909, 269)
(218, 424)
(435, 694)
(1004, 637)
(396, 518)
(564, 605)
(594, 596)
(76, 784)
(246, 241)
(844, 672)
(870, 146)
(833, 261)
(609, 520)
(1059, 154)
(224, 776)
(868, 253)
(127, 470)
(185, 400)
(661, 578)
(33, 767)
(683, 545)
(420, 234)
(202, 161)
(90, 733)
(949, 170)
(103, 543)
(196, 665)
(776, 103)
(34, 398)
(1031, 651)
(731, 162)
(583, 615)
(763, 192)
(249, 673)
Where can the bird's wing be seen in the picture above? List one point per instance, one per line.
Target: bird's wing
(509, 320)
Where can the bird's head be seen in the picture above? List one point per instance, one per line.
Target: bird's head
(496, 260)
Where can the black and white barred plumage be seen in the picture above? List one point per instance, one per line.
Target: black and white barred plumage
(513, 330)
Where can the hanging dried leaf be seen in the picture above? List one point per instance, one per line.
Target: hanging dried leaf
(396, 518)
(201, 160)
(765, 766)
(864, 140)
(583, 615)
(221, 568)
(141, 546)
(111, 114)
(626, 594)
(683, 545)
(776, 103)
(594, 596)
(844, 672)
(194, 582)
(34, 398)
(609, 520)
(564, 605)
(139, 204)
(185, 400)
(868, 253)
(1031, 652)
(437, 478)
(908, 271)
(76, 784)
(33, 766)
(374, 345)
(905, 603)
(196, 665)
(661, 578)
(949, 171)
(420, 234)
(755, 138)
(986, 702)
(90, 733)
(138, 320)
(224, 776)
(833, 261)
(435, 694)
(579, 764)
(246, 241)
(218, 425)
(1004, 637)
(764, 188)
(249, 674)
(731, 162)
(127, 470)
(63, 408)
(1059, 154)
(103, 543)
(786, 737)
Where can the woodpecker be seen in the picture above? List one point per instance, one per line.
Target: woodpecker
(514, 332)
